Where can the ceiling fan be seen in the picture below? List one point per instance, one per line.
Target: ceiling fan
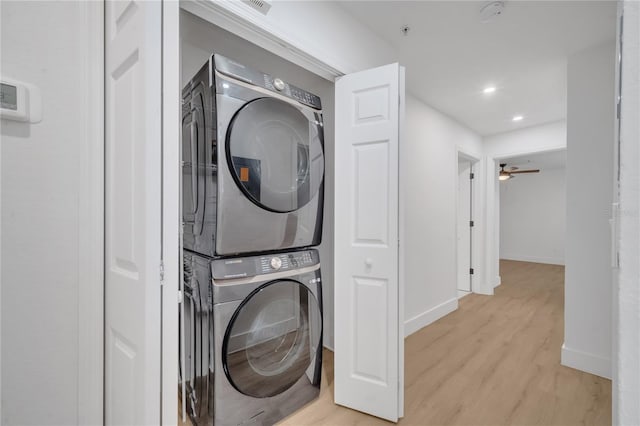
(508, 174)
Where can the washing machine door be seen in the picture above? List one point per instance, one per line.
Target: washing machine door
(275, 154)
(272, 339)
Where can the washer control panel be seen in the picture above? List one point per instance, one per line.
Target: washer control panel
(242, 267)
(240, 72)
(282, 87)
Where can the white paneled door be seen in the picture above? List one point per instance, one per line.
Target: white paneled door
(369, 336)
(132, 212)
(463, 225)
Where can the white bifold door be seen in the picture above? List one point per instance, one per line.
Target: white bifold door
(369, 323)
(133, 137)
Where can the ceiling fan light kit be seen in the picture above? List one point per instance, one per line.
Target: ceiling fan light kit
(504, 176)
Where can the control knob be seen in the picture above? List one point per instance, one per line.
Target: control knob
(276, 263)
(278, 84)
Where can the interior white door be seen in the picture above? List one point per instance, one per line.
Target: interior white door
(463, 228)
(369, 333)
(132, 212)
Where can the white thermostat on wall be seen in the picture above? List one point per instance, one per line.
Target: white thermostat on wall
(20, 101)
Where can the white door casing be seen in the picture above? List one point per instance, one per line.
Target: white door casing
(132, 211)
(171, 207)
(369, 332)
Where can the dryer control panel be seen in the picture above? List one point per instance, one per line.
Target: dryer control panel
(257, 78)
(242, 267)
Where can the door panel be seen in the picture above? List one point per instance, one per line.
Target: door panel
(371, 190)
(463, 228)
(133, 209)
(369, 337)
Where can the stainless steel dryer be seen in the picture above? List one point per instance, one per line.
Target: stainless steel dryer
(259, 354)
(253, 162)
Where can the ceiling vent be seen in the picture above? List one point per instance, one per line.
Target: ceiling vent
(261, 6)
(491, 11)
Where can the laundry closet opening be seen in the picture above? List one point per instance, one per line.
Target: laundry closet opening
(257, 204)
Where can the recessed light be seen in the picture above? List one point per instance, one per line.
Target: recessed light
(517, 118)
(225, 85)
(489, 89)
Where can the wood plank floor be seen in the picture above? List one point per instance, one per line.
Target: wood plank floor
(495, 361)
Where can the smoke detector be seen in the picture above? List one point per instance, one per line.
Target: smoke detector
(261, 6)
(491, 11)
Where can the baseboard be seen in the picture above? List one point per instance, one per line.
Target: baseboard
(497, 281)
(586, 362)
(424, 319)
(533, 259)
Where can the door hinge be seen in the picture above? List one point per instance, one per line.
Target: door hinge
(180, 297)
(471, 271)
(161, 273)
(471, 224)
(618, 108)
(472, 176)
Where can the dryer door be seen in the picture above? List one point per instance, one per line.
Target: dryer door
(275, 154)
(272, 339)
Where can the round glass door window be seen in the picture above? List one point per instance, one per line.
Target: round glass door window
(272, 339)
(275, 154)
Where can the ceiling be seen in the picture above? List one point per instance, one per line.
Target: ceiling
(451, 56)
(542, 161)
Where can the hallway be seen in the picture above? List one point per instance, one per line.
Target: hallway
(494, 361)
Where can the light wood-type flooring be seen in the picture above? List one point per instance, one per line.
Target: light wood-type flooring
(494, 361)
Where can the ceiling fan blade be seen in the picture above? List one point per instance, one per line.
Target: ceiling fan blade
(525, 171)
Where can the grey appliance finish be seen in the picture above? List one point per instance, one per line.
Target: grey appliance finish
(252, 161)
(264, 344)
(197, 303)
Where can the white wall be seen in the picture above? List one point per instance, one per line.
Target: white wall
(546, 137)
(429, 166)
(590, 145)
(532, 217)
(51, 304)
(199, 39)
(626, 380)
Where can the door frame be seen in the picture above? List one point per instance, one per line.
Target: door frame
(474, 160)
(493, 207)
(249, 24)
(91, 192)
(171, 211)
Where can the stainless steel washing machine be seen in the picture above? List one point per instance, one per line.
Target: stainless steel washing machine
(252, 162)
(259, 354)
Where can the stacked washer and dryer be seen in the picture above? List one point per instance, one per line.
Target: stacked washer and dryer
(253, 168)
